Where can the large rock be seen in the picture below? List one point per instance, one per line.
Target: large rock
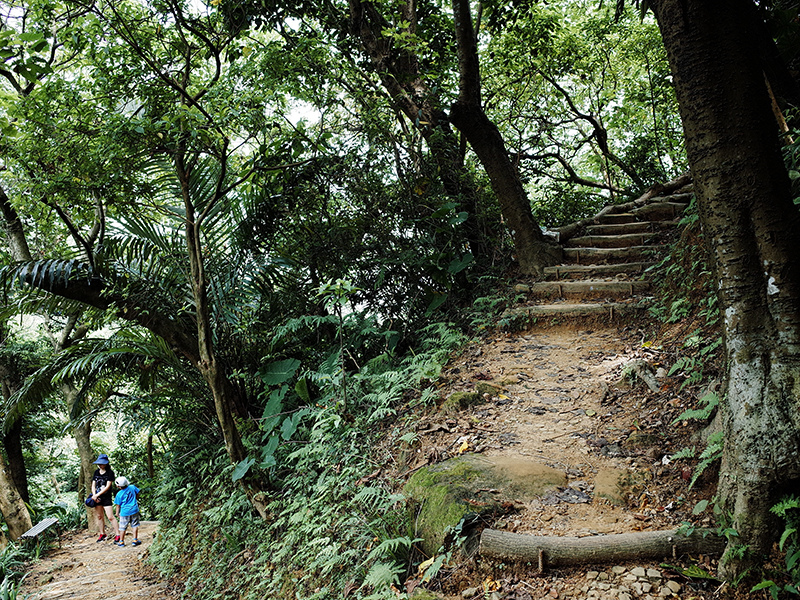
(448, 491)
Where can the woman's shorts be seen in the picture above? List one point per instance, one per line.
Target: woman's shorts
(105, 501)
(125, 520)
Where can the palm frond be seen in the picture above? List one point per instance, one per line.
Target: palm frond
(89, 363)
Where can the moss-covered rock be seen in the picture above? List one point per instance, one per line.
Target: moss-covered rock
(459, 401)
(446, 492)
(483, 387)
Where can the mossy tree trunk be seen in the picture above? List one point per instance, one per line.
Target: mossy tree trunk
(748, 216)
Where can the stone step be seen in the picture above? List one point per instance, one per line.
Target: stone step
(595, 256)
(591, 271)
(523, 315)
(659, 211)
(613, 218)
(682, 198)
(635, 227)
(625, 240)
(588, 289)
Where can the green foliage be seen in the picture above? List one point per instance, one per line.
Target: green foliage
(12, 563)
(326, 526)
(9, 589)
(70, 517)
(788, 509)
(709, 403)
(711, 453)
(584, 100)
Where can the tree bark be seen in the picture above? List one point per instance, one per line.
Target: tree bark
(14, 478)
(747, 213)
(82, 436)
(557, 551)
(12, 443)
(533, 252)
(12, 506)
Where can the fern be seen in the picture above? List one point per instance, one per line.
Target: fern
(710, 401)
(383, 575)
(712, 453)
(684, 453)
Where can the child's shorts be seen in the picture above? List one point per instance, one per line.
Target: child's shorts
(132, 520)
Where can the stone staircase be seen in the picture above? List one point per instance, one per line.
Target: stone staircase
(605, 260)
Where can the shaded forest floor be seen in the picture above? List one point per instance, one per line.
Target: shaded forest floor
(567, 397)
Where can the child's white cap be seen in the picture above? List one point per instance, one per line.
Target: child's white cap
(121, 482)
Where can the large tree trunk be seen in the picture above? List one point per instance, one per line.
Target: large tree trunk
(14, 478)
(533, 252)
(748, 215)
(12, 506)
(12, 443)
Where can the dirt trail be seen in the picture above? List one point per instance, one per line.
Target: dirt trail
(84, 568)
(565, 402)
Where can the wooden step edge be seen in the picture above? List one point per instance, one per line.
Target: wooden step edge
(626, 240)
(514, 318)
(569, 270)
(588, 287)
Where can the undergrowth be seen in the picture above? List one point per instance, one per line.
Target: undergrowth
(687, 302)
(335, 529)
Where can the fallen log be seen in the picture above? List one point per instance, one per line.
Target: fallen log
(561, 551)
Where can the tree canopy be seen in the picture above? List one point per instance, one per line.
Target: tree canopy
(242, 224)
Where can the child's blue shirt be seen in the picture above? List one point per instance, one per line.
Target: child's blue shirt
(126, 498)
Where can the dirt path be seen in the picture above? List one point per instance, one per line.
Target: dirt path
(565, 402)
(84, 568)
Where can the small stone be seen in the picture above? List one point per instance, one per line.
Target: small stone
(624, 596)
(639, 571)
(618, 570)
(604, 586)
(602, 576)
(630, 578)
(553, 593)
(654, 573)
(469, 592)
(646, 587)
(592, 575)
(674, 586)
(496, 596)
(637, 589)
(664, 592)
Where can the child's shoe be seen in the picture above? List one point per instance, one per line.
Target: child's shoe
(120, 543)
(101, 538)
(116, 538)
(135, 542)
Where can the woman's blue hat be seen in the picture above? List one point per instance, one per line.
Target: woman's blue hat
(101, 460)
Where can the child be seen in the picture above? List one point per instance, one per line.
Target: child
(126, 504)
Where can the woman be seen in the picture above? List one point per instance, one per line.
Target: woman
(101, 493)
